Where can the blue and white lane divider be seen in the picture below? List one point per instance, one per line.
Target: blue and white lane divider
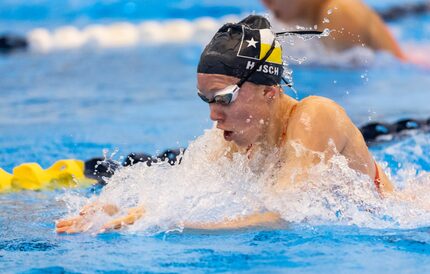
(151, 32)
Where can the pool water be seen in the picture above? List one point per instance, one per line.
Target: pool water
(73, 103)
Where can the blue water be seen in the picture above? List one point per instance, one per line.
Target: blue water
(74, 104)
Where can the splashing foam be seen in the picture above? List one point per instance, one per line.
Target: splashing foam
(209, 187)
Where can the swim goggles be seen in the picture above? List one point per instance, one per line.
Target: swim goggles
(229, 94)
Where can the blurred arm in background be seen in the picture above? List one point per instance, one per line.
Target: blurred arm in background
(351, 22)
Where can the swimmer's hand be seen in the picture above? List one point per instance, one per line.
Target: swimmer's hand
(83, 222)
(419, 58)
(133, 215)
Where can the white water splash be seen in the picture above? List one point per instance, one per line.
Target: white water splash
(209, 187)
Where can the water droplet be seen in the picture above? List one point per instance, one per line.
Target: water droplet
(329, 11)
(325, 21)
(326, 32)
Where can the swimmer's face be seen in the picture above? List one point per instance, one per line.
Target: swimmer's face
(245, 120)
(285, 10)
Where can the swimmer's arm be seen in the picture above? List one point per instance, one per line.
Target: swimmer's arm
(380, 38)
(82, 223)
(345, 24)
(357, 25)
(257, 219)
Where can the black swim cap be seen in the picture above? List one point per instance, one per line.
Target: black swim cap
(237, 48)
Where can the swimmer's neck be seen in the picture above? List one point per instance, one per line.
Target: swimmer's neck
(275, 135)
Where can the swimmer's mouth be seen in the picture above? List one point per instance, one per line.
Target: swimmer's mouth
(228, 135)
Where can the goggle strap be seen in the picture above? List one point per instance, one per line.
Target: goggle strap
(300, 32)
(235, 93)
(286, 82)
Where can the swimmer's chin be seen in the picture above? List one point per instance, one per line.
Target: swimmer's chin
(232, 137)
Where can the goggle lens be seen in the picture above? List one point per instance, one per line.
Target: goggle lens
(224, 97)
(204, 98)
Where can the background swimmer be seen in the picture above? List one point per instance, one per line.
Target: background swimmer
(258, 120)
(352, 23)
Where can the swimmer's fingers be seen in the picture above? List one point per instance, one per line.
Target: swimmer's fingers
(82, 223)
(78, 228)
(67, 222)
(118, 223)
(73, 225)
(61, 230)
(115, 224)
(94, 207)
(133, 215)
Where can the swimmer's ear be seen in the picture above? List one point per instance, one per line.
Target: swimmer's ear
(270, 92)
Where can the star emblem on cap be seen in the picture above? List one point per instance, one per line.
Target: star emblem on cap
(252, 43)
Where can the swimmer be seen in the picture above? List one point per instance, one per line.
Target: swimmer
(351, 22)
(239, 76)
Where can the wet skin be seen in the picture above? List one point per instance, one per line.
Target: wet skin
(263, 117)
(317, 123)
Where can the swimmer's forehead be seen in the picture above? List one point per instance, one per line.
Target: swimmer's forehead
(214, 82)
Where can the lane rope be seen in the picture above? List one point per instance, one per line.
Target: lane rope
(75, 173)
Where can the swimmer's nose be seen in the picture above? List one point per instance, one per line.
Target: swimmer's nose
(217, 114)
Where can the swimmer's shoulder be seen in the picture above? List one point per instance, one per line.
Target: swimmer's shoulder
(318, 107)
(318, 116)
